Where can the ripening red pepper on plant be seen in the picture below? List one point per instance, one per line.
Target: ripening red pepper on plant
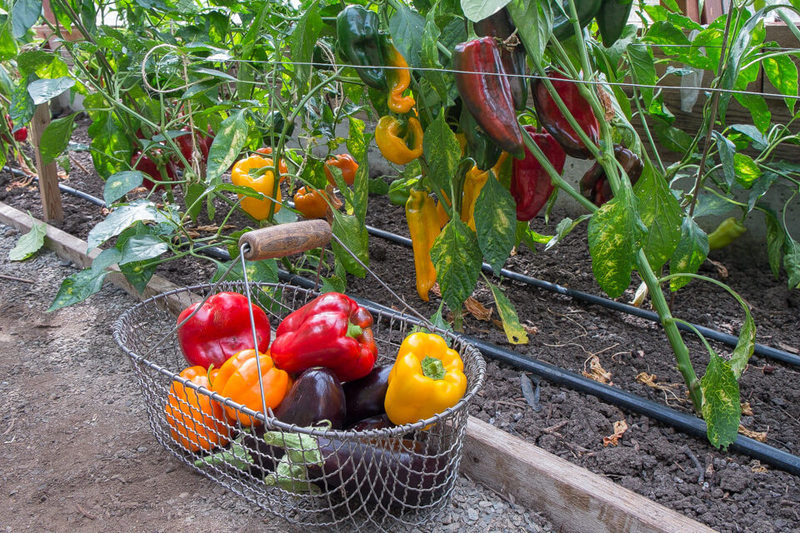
(595, 186)
(554, 121)
(331, 331)
(530, 183)
(145, 164)
(512, 55)
(486, 92)
(220, 329)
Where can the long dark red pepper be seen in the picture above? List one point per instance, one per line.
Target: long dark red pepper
(594, 184)
(554, 121)
(487, 93)
(530, 182)
(513, 57)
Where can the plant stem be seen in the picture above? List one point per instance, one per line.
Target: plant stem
(712, 118)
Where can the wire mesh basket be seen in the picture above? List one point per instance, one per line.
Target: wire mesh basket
(375, 479)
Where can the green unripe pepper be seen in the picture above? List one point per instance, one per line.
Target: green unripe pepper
(728, 231)
(360, 43)
(612, 19)
(562, 26)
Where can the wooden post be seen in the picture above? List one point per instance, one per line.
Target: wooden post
(48, 173)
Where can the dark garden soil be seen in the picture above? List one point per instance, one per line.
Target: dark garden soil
(727, 491)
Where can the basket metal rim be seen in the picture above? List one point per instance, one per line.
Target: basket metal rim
(271, 421)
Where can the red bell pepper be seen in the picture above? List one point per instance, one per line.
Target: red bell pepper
(148, 166)
(530, 184)
(594, 184)
(220, 329)
(331, 331)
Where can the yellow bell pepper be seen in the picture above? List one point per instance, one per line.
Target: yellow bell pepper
(399, 80)
(427, 378)
(394, 143)
(257, 173)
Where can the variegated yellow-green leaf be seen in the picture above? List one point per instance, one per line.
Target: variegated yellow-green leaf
(457, 259)
(721, 408)
(661, 213)
(614, 237)
(515, 333)
(692, 250)
(744, 346)
(747, 172)
(495, 222)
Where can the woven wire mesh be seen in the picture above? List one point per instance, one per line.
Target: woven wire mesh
(358, 480)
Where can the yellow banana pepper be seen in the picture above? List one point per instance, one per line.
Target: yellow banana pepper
(394, 143)
(399, 79)
(427, 378)
(473, 184)
(257, 173)
(423, 226)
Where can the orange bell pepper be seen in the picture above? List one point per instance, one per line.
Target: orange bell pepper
(238, 380)
(196, 421)
(346, 164)
(311, 202)
(257, 173)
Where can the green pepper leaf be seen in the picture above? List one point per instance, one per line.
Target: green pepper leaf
(228, 143)
(142, 247)
(781, 72)
(643, 70)
(442, 152)
(30, 243)
(721, 408)
(24, 15)
(692, 250)
(120, 184)
(614, 234)
(758, 108)
(661, 213)
(515, 333)
(357, 141)
(304, 38)
(353, 235)
(495, 222)
(791, 261)
(406, 26)
(121, 218)
(727, 151)
(55, 138)
(776, 236)
(476, 10)
(8, 46)
(744, 346)
(534, 22)
(111, 147)
(429, 56)
(457, 259)
(44, 90)
(747, 171)
(81, 285)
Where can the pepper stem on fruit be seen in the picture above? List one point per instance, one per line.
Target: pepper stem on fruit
(433, 368)
(354, 330)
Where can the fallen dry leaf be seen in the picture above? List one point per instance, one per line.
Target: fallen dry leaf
(747, 410)
(760, 436)
(620, 427)
(596, 371)
(530, 329)
(608, 106)
(790, 349)
(722, 270)
(477, 309)
(757, 467)
(436, 290)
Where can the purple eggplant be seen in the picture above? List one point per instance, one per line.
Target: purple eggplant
(397, 473)
(365, 396)
(315, 396)
(373, 422)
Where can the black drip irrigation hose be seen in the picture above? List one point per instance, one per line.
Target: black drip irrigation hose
(731, 340)
(759, 349)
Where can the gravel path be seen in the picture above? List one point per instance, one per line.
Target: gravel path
(77, 452)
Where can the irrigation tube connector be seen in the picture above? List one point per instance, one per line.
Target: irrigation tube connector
(686, 423)
(759, 349)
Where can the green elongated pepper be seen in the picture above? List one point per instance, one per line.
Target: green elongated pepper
(728, 231)
(360, 43)
(562, 26)
(612, 18)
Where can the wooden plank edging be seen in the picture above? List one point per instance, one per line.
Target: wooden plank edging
(571, 497)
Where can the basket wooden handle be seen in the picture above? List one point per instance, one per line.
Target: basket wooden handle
(285, 239)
